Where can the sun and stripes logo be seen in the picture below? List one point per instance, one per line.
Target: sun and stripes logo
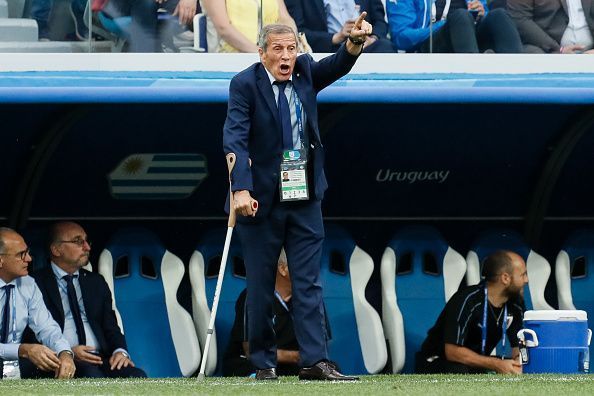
(158, 176)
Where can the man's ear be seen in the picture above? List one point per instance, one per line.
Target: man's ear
(54, 250)
(505, 278)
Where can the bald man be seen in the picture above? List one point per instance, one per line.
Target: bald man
(21, 305)
(476, 319)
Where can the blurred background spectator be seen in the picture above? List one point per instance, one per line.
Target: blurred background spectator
(469, 27)
(327, 23)
(233, 25)
(554, 26)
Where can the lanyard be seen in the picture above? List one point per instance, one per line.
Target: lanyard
(298, 114)
(484, 328)
(280, 299)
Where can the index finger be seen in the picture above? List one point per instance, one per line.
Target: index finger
(360, 20)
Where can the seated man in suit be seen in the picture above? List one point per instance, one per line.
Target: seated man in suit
(555, 26)
(81, 303)
(21, 305)
(327, 23)
(236, 361)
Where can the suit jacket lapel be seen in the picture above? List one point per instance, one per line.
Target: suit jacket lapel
(51, 285)
(587, 5)
(319, 4)
(87, 300)
(564, 4)
(265, 89)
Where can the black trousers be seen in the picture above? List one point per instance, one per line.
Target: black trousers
(496, 32)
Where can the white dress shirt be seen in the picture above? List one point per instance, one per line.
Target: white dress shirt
(577, 31)
(28, 309)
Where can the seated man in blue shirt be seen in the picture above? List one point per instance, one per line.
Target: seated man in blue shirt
(21, 305)
(81, 303)
(459, 26)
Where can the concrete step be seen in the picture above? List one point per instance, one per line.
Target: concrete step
(3, 9)
(18, 29)
(54, 46)
(35, 46)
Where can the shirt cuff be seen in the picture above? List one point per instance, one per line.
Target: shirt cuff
(120, 350)
(9, 351)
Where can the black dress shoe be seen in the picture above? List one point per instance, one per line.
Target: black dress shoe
(324, 371)
(266, 374)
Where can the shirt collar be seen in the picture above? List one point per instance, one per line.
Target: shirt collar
(272, 79)
(12, 282)
(59, 272)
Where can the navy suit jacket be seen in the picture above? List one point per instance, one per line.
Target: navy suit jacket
(310, 18)
(252, 129)
(98, 307)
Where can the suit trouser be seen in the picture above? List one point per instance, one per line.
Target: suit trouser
(495, 31)
(299, 228)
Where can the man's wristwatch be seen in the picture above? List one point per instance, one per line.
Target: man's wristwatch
(68, 352)
(125, 354)
(356, 42)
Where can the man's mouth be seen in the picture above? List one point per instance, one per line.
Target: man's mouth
(285, 68)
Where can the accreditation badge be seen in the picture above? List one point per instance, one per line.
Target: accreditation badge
(11, 370)
(293, 176)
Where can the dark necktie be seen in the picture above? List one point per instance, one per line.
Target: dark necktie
(284, 114)
(6, 315)
(5, 322)
(74, 308)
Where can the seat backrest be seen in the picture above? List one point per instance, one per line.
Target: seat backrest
(419, 273)
(204, 270)
(199, 23)
(357, 340)
(573, 272)
(538, 267)
(145, 278)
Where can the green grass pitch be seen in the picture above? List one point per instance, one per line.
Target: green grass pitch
(490, 384)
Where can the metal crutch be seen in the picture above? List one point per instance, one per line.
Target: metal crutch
(215, 303)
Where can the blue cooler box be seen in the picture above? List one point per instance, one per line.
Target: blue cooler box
(555, 342)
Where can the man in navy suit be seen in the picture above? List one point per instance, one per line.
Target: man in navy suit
(81, 303)
(327, 23)
(272, 125)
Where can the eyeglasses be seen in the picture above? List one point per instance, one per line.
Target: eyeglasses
(78, 241)
(22, 255)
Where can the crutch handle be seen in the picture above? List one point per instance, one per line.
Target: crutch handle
(230, 164)
(231, 159)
